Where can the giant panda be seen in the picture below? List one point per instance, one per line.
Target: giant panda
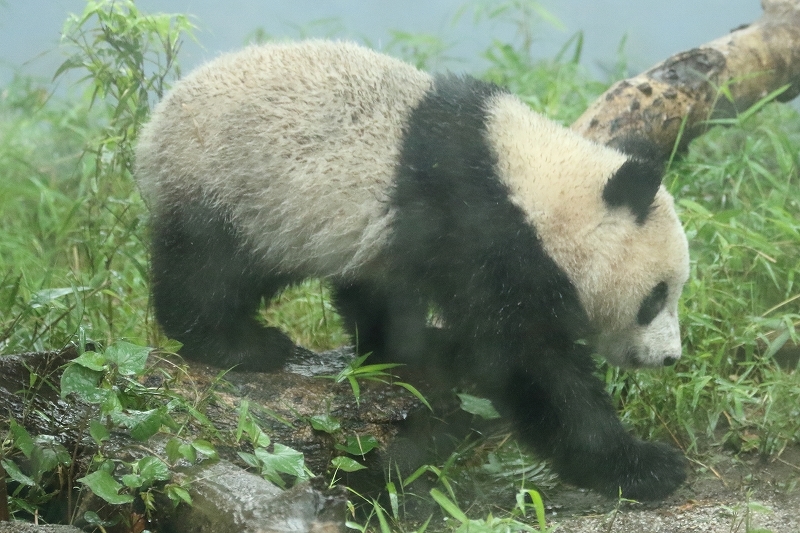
(410, 192)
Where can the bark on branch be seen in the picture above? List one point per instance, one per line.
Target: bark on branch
(750, 63)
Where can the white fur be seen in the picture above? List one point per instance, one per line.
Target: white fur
(557, 177)
(303, 156)
(307, 179)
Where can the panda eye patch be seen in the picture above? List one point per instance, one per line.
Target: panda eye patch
(652, 304)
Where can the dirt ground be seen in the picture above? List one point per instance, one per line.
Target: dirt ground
(726, 494)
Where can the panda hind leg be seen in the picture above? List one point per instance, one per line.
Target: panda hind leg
(206, 293)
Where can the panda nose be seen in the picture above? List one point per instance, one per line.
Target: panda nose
(669, 361)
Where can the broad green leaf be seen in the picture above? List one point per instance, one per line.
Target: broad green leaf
(132, 481)
(111, 403)
(188, 452)
(16, 474)
(94, 519)
(149, 425)
(129, 358)
(92, 360)
(173, 450)
(98, 431)
(154, 469)
(250, 459)
(205, 447)
(347, 464)
(178, 494)
(106, 487)
(283, 459)
(141, 424)
(46, 457)
(82, 382)
(478, 406)
(359, 445)
(171, 346)
(325, 423)
(22, 439)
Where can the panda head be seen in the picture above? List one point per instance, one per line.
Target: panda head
(605, 218)
(632, 300)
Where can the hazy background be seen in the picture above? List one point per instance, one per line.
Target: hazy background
(655, 29)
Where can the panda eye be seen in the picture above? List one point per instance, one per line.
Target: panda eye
(652, 304)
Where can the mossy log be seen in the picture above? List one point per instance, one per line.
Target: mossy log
(226, 497)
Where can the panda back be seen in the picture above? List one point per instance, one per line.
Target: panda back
(295, 144)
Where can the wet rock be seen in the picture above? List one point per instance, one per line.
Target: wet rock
(226, 498)
(24, 527)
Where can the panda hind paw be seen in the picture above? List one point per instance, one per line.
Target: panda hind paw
(256, 349)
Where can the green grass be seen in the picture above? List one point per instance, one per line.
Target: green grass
(739, 200)
(305, 312)
(73, 252)
(73, 256)
(71, 248)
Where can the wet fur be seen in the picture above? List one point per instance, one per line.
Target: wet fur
(405, 191)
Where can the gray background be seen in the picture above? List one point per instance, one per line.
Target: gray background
(655, 29)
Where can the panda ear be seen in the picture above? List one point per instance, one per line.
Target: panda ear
(634, 185)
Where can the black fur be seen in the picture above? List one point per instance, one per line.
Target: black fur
(634, 186)
(206, 290)
(652, 304)
(512, 316)
(460, 243)
(639, 147)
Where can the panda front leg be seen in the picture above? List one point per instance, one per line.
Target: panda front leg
(562, 410)
(388, 324)
(206, 292)
(392, 324)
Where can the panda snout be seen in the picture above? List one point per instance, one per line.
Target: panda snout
(669, 361)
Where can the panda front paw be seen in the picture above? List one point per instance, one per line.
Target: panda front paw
(645, 471)
(634, 469)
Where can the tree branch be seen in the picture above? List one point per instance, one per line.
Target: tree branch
(716, 80)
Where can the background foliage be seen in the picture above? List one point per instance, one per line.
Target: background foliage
(73, 252)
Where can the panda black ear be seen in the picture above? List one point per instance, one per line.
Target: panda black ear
(639, 147)
(634, 185)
